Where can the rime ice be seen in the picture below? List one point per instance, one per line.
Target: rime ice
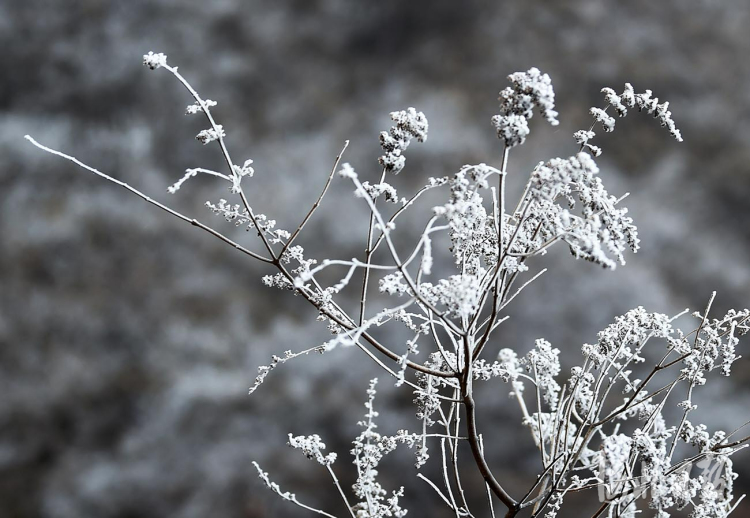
(450, 300)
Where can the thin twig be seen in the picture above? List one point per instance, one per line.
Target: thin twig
(368, 257)
(317, 202)
(150, 200)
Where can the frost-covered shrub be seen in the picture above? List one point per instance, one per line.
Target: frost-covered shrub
(602, 427)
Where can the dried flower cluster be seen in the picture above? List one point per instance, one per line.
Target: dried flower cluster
(620, 103)
(590, 438)
(410, 124)
(530, 90)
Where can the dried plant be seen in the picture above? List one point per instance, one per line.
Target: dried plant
(624, 450)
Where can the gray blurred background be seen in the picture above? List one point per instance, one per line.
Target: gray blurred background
(128, 339)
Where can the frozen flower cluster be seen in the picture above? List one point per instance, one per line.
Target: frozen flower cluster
(410, 124)
(529, 90)
(623, 340)
(154, 61)
(209, 135)
(472, 232)
(620, 104)
(427, 309)
(714, 346)
(544, 362)
(199, 106)
(458, 293)
(628, 468)
(312, 448)
(602, 226)
(386, 190)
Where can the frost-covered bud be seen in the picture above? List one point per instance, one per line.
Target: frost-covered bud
(392, 162)
(530, 89)
(621, 103)
(239, 174)
(583, 136)
(245, 170)
(628, 96)
(644, 101)
(511, 129)
(615, 101)
(312, 448)
(601, 116)
(390, 144)
(154, 61)
(211, 134)
(196, 106)
(660, 111)
(410, 124)
(393, 284)
(380, 189)
(278, 281)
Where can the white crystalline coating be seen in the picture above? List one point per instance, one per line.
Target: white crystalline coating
(196, 106)
(606, 426)
(529, 90)
(602, 227)
(410, 124)
(211, 134)
(172, 189)
(615, 101)
(511, 129)
(459, 293)
(312, 448)
(384, 189)
(154, 61)
(600, 116)
(544, 362)
(347, 171)
(620, 103)
(615, 456)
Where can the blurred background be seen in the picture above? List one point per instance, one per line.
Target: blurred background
(128, 339)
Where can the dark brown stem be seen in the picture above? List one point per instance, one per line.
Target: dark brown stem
(473, 435)
(484, 469)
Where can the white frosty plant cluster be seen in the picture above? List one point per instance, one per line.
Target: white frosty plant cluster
(611, 426)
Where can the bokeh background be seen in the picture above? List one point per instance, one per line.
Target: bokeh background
(128, 339)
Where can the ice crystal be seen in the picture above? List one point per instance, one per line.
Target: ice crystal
(587, 438)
